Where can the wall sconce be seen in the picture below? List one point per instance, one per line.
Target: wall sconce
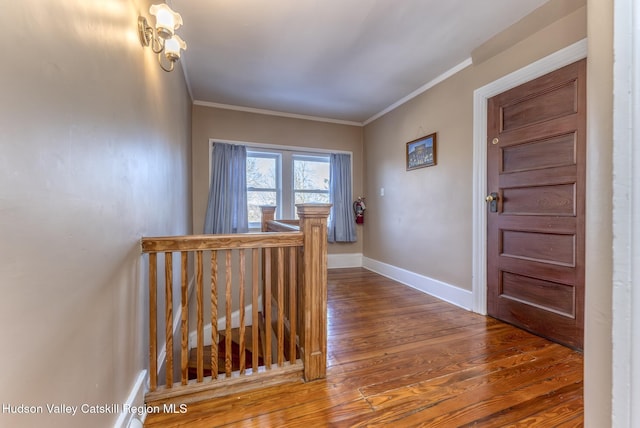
(162, 39)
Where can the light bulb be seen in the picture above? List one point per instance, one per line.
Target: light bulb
(173, 46)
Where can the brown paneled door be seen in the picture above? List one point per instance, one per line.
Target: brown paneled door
(536, 205)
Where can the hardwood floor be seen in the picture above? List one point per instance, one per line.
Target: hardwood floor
(400, 358)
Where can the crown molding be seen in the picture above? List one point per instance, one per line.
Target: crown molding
(276, 113)
(444, 76)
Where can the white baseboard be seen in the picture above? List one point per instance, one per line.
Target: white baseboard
(135, 400)
(344, 260)
(443, 291)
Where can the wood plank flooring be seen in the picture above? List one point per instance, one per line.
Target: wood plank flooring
(400, 358)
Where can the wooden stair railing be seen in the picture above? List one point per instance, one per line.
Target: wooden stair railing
(311, 283)
(284, 273)
(281, 290)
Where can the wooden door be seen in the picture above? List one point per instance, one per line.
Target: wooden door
(535, 237)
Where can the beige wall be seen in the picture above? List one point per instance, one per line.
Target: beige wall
(94, 153)
(209, 122)
(423, 223)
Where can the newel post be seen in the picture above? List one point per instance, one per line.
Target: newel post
(313, 224)
(268, 214)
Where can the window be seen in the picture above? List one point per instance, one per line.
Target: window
(284, 178)
(310, 179)
(263, 183)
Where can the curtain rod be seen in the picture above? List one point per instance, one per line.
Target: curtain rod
(284, 148)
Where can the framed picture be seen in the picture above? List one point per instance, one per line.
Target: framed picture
(421, 152)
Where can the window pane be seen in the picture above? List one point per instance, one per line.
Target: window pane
(311, 174)
(261, 172)
(308, 197)
(255, 198)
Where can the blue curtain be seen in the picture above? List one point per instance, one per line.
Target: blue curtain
(341, 227)
(227, 207)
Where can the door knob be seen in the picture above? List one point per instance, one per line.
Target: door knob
(492, 199)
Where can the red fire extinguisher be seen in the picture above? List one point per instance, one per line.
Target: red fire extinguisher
(358, 210)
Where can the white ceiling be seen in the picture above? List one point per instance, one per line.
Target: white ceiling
(346, 60)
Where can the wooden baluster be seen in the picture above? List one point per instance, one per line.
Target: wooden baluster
(241, 343)
(313, 224)
(292, 304)
(168, 286)
(153, 326)
(200, 318)
(228, 343)
(299, 292)
(214, 315)
(267, 307)
(267, 214)
(281, 303)
(285, 296)
(184, 344)
(255, 334)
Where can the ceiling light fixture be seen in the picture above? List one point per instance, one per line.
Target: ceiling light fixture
(162, 39)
